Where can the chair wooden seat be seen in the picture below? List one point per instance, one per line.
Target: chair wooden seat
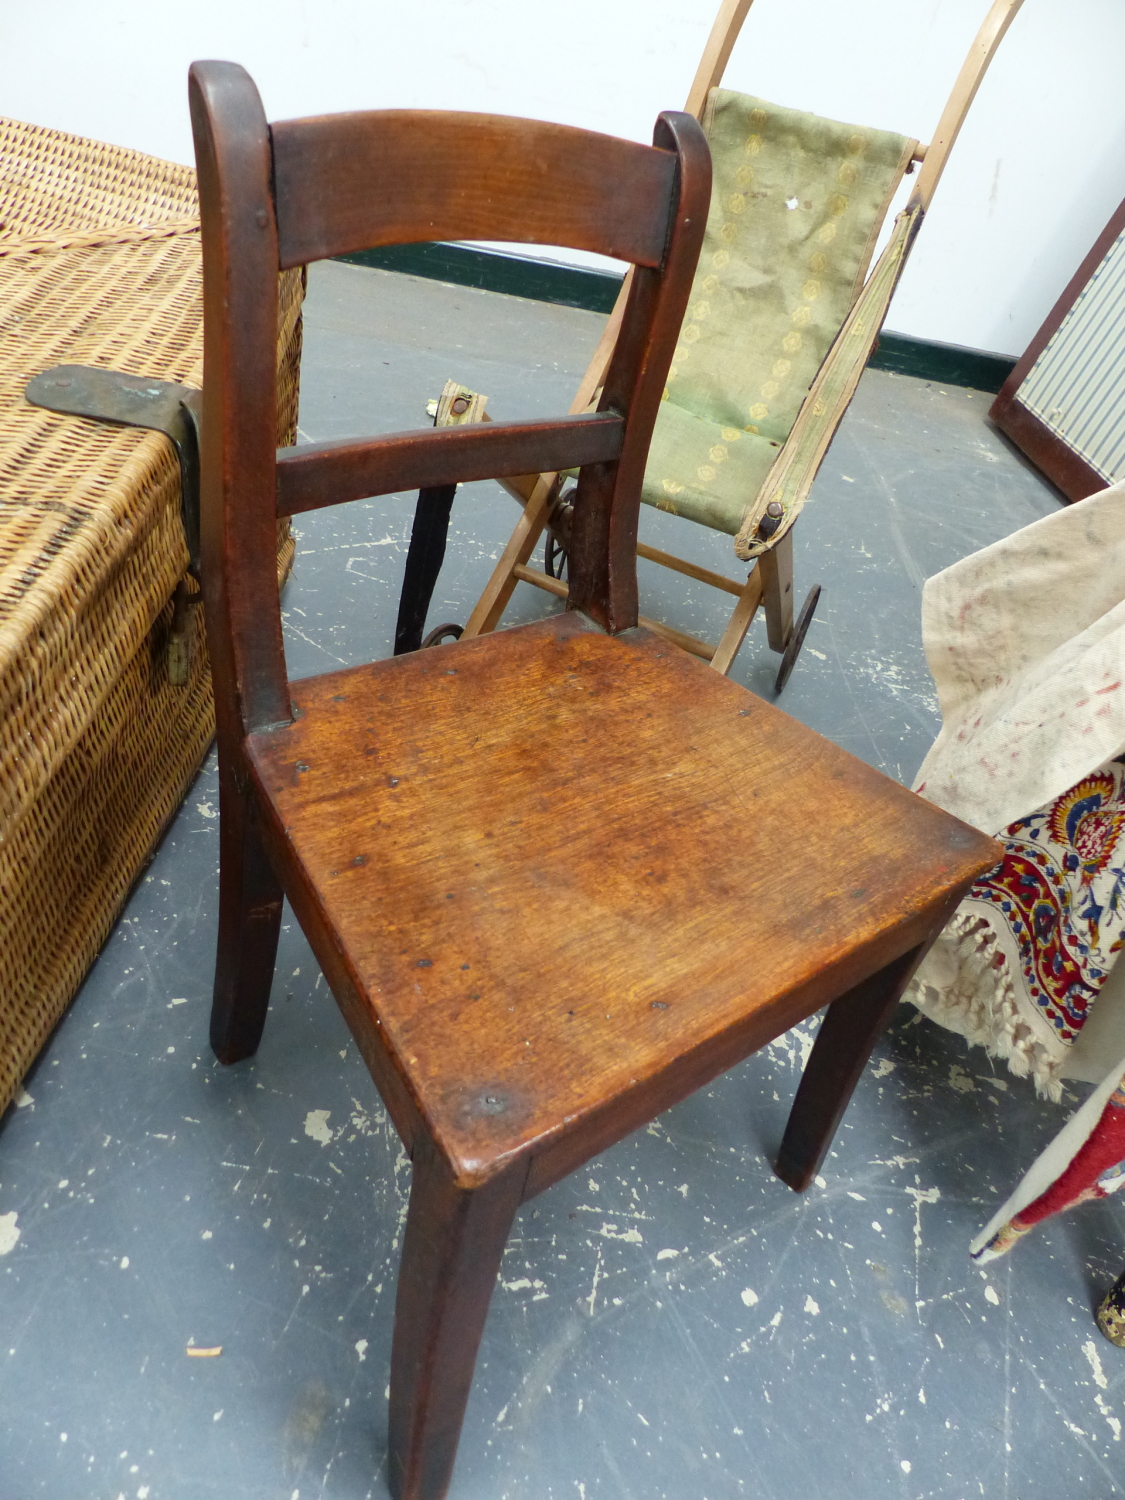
(696, 873)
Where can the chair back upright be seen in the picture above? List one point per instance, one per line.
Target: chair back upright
(302, 190)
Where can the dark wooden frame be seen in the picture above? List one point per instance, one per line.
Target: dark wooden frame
(1063, 465)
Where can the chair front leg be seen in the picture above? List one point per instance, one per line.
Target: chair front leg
(451, 1255)
(250, 900)
(852, 1025)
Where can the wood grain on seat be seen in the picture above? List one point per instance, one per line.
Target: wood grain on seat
(561, 863)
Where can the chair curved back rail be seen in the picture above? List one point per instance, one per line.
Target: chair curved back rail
(313, 188)
(391, 177)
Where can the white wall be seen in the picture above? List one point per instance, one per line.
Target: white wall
(1036, 174)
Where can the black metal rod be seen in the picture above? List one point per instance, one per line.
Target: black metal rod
(423, 564)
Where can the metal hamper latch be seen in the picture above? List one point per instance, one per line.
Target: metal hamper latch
(164, 406)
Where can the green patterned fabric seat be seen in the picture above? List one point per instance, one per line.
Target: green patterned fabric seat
(796, 207)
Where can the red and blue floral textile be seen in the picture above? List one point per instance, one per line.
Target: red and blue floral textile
(1021, 964)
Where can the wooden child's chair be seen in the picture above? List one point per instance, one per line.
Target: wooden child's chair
(524, 997)
(780, 324)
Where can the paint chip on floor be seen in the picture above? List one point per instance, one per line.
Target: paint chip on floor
(627, 1236)
(9, 1234)
(1090, 1350)
(316, 1125)
(960, 1080)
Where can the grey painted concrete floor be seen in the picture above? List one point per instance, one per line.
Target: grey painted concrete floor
(672, 1321)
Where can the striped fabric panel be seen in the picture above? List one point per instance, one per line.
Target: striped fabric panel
(1077, 385)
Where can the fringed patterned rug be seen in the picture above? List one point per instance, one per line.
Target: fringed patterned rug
(1019, 967)
(1026, 642)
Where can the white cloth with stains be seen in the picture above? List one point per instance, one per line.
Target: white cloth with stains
(1026, 643)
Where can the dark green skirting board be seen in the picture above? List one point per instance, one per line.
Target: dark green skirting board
(490, 271)
(596, 291)
(946, 364)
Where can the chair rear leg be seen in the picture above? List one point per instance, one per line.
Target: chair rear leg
(852, 1025)
(451, 1255)
(250, 900)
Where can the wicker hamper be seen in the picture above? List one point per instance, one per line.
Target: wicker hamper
(99, 265)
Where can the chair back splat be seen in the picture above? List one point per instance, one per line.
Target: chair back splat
(309, 189)
(522, 1001)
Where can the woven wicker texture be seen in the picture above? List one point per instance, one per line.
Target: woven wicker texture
(62, 189)
(99, 265)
